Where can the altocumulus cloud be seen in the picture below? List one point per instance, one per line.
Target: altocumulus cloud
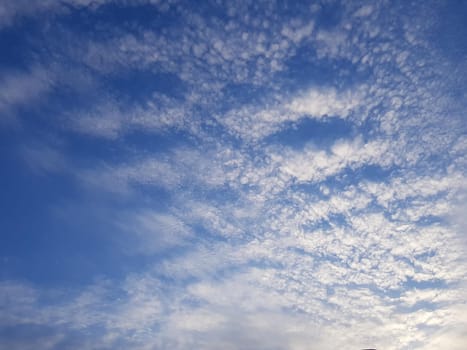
(233, 175)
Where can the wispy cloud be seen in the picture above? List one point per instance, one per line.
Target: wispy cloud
(20, 89)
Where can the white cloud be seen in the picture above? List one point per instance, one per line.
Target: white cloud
(256, 122)
(364, 11)
(110, 120)
(21, 89)
(316, 165)
(11, 12)
(299, 33)
(317, 104)
(151, 232)
(43, 158)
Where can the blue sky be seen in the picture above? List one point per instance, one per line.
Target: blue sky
(233, 175)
